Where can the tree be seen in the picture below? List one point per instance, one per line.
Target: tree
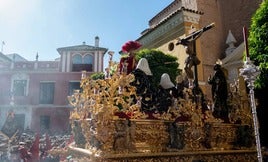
(160, 63)
(258, 49)
(258, 43)
(98, 75)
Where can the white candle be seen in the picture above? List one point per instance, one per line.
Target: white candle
(245, 40)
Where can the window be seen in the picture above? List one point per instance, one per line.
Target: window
(80, 64)
(73, 86)
(44, 123)
(77, 59)
(46, 93)
(19, 84)
(88, 59)
(19, 87)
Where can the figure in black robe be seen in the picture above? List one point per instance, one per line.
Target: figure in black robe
(165, 94)
(219, 93)
(142, 82)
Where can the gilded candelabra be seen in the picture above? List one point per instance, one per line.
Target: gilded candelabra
(250, 73)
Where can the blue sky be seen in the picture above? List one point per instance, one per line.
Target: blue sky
(31, 26)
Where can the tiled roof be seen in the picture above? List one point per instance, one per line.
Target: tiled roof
(148, 30)
(177, 11)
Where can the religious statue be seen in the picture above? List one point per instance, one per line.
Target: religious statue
(142, 82)
(219, 93)
(191, 60)
(176, 136)
(189, 42)
(121, 135)
(165, 94)
(128, 63)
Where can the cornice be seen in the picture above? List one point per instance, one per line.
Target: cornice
(81, 48)
(162, 29)
(191, 17)
(171, 23)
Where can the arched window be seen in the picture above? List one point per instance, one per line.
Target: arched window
(82, 63)
(88, 59)
(77, 59)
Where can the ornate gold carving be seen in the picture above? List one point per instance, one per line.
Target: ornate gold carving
(150, 135)
(222, 136)
(135, 138)
(239, 106)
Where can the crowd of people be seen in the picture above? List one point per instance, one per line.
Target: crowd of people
(33, 147)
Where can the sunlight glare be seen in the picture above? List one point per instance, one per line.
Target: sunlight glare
(16, 11)
(5, 5)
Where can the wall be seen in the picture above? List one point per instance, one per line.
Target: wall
(227, 15)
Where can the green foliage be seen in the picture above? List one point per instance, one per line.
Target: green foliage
(99, 75)
(258, 42)
(160, 63)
